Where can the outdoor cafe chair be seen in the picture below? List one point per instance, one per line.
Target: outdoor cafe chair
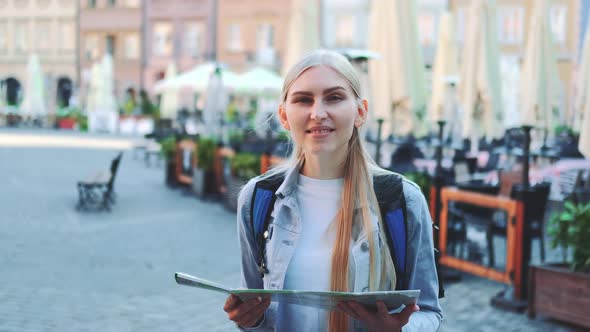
(98, 190)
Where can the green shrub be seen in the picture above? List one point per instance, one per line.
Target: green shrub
(423, 180)
(245, 165)
(571, 228)
(168, 147)
(206, 148)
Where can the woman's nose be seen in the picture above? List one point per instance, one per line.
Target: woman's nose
(318, 112)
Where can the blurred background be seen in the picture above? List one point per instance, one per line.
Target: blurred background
(127, 128)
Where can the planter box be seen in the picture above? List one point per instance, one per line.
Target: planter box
(204, 183)
(66, 123)
(557, 292)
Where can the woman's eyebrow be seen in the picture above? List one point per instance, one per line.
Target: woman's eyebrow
(309, 93)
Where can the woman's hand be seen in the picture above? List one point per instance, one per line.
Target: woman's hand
(380, 320)
(246, 314)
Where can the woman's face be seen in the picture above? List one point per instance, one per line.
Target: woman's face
(321, 111)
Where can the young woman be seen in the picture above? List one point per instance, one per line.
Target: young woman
(326, 228)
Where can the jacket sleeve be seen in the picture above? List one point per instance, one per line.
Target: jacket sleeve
(250, 277)
(420, 262)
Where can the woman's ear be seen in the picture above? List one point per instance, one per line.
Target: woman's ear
(283, 117)
(361, 117)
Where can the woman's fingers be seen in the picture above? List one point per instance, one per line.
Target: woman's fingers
(231, 302)
(404, 315)
(345, 307)
(256, 313)
(249, 312)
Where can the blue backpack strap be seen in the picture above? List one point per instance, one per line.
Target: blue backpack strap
(390, 196)
(262, 205)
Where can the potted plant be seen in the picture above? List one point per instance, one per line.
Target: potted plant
(168, 151)
(66, 118)
(204, 180)
(562, 290)
(243, 166)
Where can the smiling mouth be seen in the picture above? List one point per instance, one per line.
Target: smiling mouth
(319, 131)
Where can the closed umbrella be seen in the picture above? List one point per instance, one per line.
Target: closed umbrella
(445, 66)
(303, 34)
(94, 88)
(397, 80)
(584, 143)
(480, 92)
(583, 95)
(33, 103)
(169, 102)
(540, 79)
(215, 103)
(107, 101)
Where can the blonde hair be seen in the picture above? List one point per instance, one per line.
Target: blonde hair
(358, 196)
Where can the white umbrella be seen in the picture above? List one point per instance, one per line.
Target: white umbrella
(583, 101)
(215, 103)
(259, 81)
(540, 79)
(397, 81)
(196, 79)
(480, 92)
(445, 66)
(583, 95)
(303, 31)
(94, 88)
(107, 100)
(34, 102)
(169, 102)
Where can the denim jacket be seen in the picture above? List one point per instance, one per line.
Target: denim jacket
(285, 228)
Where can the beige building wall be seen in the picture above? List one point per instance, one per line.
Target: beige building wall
(43, 27)
(252, 31)
(114, 27)
(516, 15)
(177, 31)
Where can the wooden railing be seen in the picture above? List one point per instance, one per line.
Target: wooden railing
(515, 216)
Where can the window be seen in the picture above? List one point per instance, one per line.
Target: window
(43, 35)
(91, 4)
(264, 36)
(21, 36)
(345, 28)
(193, 39)
(67, 36)
(132, 3)
(91, 47)
(112, 3)
(510, 24)
(110, 45)
(162, 39)
(3, 37)
(234, 40)
(557, 19)
(132, 46)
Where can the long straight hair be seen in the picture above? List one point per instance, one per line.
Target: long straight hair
(359, 203)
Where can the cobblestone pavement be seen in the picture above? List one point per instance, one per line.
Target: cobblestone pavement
(62, 270)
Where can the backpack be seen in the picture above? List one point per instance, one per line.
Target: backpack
(392, 205)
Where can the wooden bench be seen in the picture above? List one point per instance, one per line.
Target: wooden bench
(97, 190)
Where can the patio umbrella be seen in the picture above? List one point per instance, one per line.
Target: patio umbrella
(445, 66)
(107, 101)
(303, 31)
(583, 95)
(34, 102)
(169, 102)
(215, 103)
(94, 88)
(259, 81)
(584, 143)
(480, 93)
(540, 79)
(397, 80)
(196, 79)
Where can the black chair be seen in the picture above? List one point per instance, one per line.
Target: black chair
(462, 214)
(535, 204)
(98, 190)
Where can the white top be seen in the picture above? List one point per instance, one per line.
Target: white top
(310, 266)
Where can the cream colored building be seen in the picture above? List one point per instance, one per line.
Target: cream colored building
(513, 25)
(47, 28)
(252, 32)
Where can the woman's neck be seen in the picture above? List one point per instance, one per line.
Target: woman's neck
(324, 167)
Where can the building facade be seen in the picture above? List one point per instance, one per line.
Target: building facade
(177, 31)
(47, 28)
(114, 27)
(252, 32)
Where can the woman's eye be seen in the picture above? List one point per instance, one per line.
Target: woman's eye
(335, 98)
(303, 100)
